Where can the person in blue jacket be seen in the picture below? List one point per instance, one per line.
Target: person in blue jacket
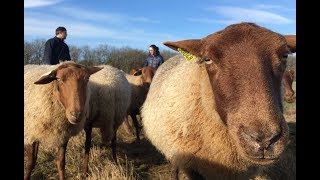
(154, 59)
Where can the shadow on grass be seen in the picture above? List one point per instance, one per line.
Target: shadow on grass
(144, 156)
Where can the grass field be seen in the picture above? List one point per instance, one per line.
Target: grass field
(138, 160)
(290, 108)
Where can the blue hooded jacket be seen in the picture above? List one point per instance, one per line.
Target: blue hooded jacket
(154, 61)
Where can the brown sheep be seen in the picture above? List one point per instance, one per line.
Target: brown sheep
(140, 81)
(221, 114)
(134, 70)
(287, 81)
(55, 108)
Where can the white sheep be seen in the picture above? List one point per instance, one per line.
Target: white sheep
(55, 107)
(218, 113)
(109, 102)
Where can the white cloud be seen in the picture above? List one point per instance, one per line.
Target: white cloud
(84, 14)
(46, 27)
(250, 15)
(274, 7)
(39, 3)
(212, 21)
(268, 6)
(42, 26)
(88, 27)
(144, 19)
(85, 25)
(90, 15)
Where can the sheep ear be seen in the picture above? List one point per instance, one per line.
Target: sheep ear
(138, 72)
(291, 41)
(192, 46)
(94, 69)
(45, 79)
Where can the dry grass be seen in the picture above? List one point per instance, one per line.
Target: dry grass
(137, 160)
(290, 108)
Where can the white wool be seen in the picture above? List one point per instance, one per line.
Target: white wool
(110, 99)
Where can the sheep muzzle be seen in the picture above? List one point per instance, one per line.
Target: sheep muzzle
(74, 117)
(262, 145)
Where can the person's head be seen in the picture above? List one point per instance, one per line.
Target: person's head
(153, 50)
(61, 32)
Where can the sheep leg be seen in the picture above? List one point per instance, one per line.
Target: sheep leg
(175, 173)
(137, 126)
(88, 130)
(174, 168)
(192, 174)
(61, 160)
(128, 126)
(113, 146)
(32, 154)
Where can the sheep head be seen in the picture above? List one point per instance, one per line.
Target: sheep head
(287, 81)
(146, 74)
(71, 81)
(245, 64)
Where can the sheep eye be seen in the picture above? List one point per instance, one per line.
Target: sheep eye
(208, 61)
(285, 56)
(283, 61)
(60, 80)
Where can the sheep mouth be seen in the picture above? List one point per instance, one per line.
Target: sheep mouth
(290, 99)
(73, 121)
(260, 157)
(74, 118)
(261, 160)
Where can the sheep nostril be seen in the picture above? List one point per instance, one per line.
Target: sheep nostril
(75, 114)
(259, 140)
(276, 136)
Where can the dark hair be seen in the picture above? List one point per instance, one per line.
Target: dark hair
(155, 48)
(60, 29)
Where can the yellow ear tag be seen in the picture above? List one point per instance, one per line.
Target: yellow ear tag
(188, 56)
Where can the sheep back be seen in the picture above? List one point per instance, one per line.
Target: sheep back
(111, 95)
(139, 92)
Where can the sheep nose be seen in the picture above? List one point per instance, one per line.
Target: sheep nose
(259, 140)
(75, 114)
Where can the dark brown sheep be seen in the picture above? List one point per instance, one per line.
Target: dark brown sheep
(220, 115)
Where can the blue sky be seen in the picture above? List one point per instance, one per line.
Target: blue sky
(139, 23)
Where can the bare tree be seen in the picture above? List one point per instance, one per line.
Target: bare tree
(102, 53)
(27, 52)
(87, 53)
(38, 50)
(126, 58)
(166, 54)
(33, 51)
(75, 53)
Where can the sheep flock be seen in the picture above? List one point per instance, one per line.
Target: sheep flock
(216, 111)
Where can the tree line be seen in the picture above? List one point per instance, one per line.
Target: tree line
(124, 58)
